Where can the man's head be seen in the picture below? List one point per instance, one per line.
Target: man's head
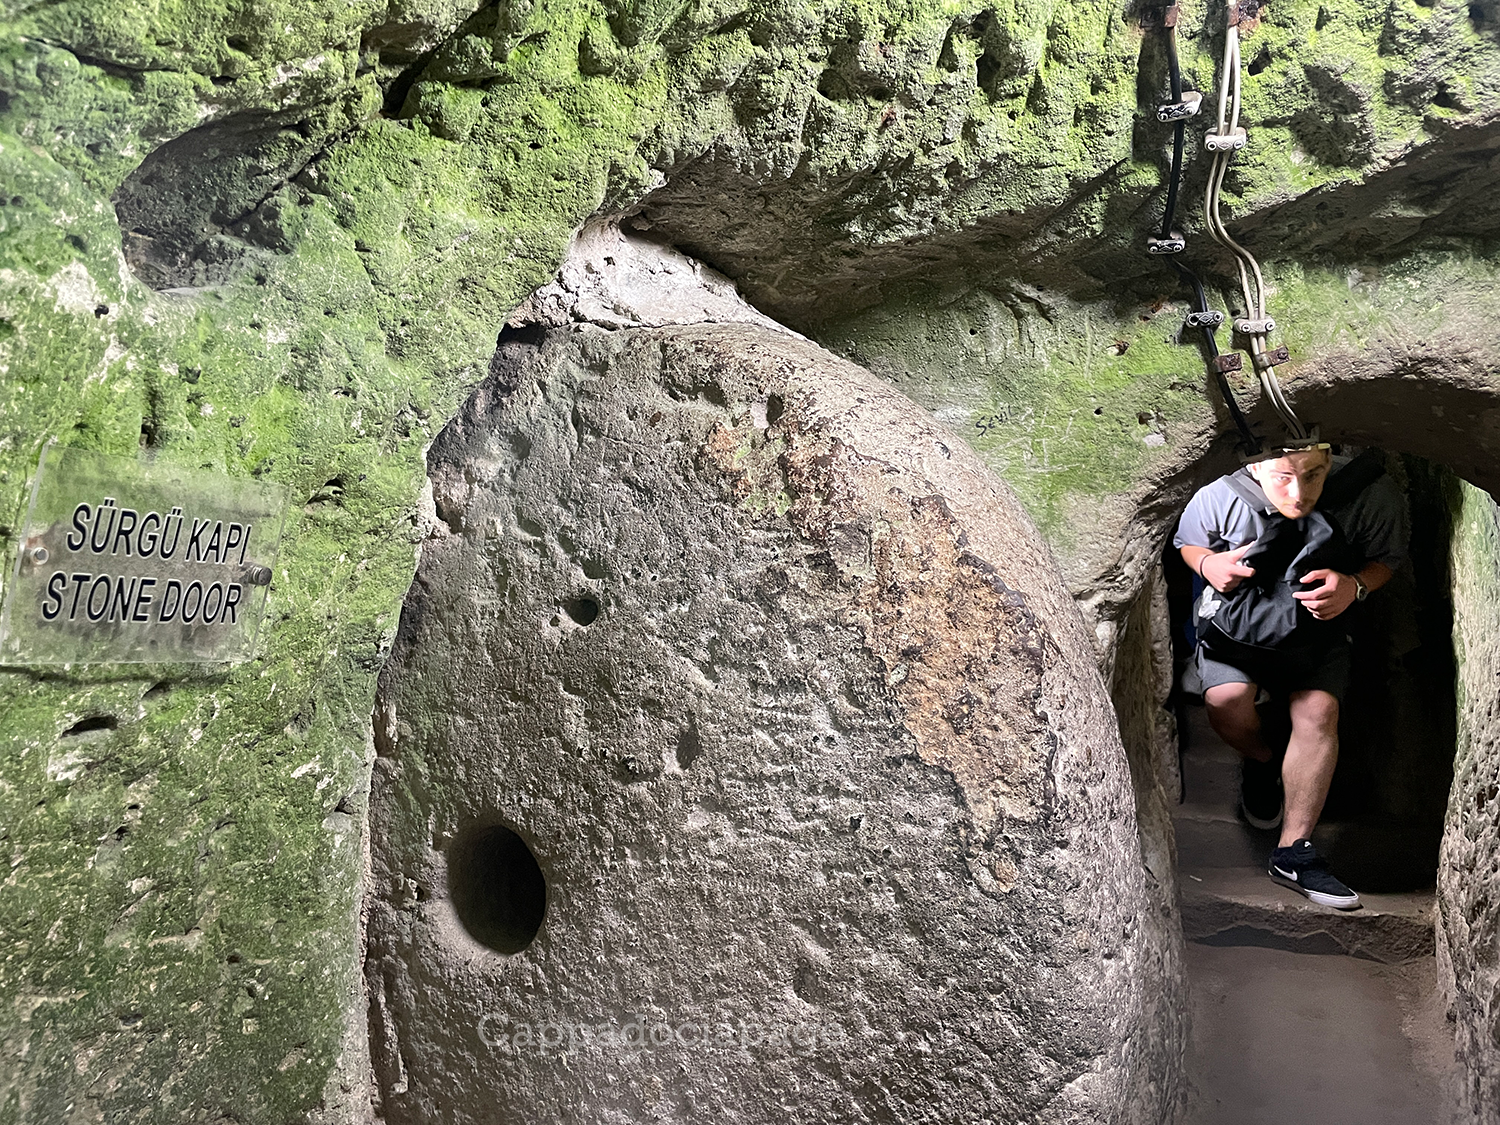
(1293, 479)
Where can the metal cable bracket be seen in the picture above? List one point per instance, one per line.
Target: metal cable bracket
(1224, 138)
(1180, 110)
(1167, 243)
(1229, 141)
(1273, 358)
(1243, 12)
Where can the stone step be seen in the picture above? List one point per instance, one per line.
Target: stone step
(1227, 898)
(1383, 1049)
(1217, 838)
(1371, 856)
(1224, 906)
(1378, 857)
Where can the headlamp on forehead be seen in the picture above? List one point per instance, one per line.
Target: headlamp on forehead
(1282, 448)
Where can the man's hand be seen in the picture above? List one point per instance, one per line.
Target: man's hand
(1332, 594)
(1224, 571)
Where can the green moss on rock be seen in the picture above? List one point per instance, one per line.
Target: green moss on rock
(1075, 403)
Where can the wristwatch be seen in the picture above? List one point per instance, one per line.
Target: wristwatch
(1361, 591)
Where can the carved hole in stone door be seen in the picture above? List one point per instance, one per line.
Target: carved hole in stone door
(583, 611)
(497, 887)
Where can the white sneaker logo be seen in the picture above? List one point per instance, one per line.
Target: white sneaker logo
(1292, 875)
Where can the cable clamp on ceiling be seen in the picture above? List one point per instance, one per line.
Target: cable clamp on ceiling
(1229, 361)
(1174, 243)
(1233, 141)
(1247, 327)
(1210, 318)
(1273, 358)
(1183, 108)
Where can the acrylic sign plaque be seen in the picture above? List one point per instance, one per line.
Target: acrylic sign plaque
(122, 561)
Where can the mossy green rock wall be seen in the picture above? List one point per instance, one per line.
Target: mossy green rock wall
(180, 909)
(278, 239)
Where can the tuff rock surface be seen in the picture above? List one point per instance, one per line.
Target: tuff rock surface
(1469, 906)
(785, 694)
(280, 239)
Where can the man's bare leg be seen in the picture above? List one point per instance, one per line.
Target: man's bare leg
(1311, 755)
(1232, 714)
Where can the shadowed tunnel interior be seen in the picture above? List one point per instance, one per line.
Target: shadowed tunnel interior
(1383, 820)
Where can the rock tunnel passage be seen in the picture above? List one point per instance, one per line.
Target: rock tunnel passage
(1302, 1013)
(1383, 820)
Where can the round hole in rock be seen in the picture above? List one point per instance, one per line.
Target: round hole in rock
(583, 611)
(497, 887)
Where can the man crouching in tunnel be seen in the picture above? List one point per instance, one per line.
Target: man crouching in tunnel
(1285, 547)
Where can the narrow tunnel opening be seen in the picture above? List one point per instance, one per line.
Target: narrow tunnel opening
(1253, 946)
(1383, 821)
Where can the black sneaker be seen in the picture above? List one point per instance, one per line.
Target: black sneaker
(1305, 871)
(1260, 792)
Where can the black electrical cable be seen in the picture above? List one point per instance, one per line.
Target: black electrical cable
(1187, 276)
(1174, 68)
(1247, 436)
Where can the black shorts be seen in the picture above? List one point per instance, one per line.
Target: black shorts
(1320, 668)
